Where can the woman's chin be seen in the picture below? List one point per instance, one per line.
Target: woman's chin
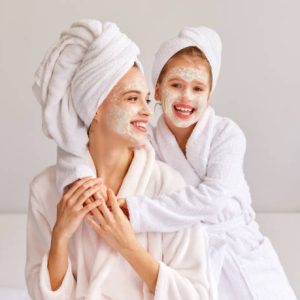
(137, 141)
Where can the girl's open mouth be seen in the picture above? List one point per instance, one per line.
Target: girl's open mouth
(183, 111)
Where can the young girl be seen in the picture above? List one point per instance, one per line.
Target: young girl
(208, 150)
(94, 103)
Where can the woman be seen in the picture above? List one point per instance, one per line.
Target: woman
(208, 151)
(94, 102)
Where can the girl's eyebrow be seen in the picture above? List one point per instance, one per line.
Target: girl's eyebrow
(176, 78)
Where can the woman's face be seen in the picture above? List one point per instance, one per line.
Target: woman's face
(125, 113)
(184, 90)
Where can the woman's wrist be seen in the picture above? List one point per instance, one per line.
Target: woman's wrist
(143, 263)
(58, 240)
(131, 250)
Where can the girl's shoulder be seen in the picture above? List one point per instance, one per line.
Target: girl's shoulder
(225, 129)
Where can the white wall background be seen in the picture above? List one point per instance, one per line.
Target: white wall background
(259, 85)
(259, 88)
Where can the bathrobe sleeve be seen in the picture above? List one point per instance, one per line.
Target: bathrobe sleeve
(183, 271)
(38, 245)
(203, 203)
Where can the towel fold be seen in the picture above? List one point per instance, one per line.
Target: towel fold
(75, 76)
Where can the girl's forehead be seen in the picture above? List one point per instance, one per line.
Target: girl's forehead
(188, 74)
(187, 61)
(183, 67)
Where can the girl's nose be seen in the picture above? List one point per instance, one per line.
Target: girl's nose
(187, 96)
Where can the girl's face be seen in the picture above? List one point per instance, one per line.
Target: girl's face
(125, 113)
(184, 91)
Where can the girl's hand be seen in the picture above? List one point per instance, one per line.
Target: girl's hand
(113, 226)
(71, 210)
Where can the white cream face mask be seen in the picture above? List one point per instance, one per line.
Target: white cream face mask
(184, 113)
(121, 113)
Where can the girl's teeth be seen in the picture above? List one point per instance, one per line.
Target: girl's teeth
(183, 109)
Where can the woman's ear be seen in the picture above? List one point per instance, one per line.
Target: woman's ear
(157, 92)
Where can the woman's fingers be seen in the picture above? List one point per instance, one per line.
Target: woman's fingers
(113, 200)
(122, 203)
(94, 224)
(85, 196)
(83, 188)
(106, 213)
(87, 208)
(96, 211)
(75, 186)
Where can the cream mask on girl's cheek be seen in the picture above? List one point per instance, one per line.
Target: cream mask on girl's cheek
(184, 113)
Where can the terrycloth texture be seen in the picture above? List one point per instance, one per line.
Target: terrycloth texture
(95, 271)
(243, 261)
(75, 76)
(204, 38)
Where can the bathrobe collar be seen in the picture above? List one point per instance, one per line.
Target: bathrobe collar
(134, 183)
(193, 165)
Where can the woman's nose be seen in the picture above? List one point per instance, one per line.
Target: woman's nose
(146, 110)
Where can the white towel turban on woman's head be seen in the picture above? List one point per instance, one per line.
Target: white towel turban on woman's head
(76, 75)
(204, 38)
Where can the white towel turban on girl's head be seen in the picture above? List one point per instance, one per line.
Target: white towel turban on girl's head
(204, 38)
(76, 75)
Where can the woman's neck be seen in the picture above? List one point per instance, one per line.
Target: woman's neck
(111, 161)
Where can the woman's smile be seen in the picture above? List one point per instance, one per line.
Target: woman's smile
(140, 125)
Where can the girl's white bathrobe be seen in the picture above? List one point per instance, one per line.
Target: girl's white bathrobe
(97, 272)
(244, 263)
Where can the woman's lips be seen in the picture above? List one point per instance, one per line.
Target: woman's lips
(183, 111)
(140, 125)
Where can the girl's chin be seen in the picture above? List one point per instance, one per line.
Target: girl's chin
(176, 122)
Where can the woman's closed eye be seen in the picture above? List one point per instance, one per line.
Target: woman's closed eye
(132, 99)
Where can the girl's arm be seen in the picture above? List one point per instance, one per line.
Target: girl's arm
(224, 176)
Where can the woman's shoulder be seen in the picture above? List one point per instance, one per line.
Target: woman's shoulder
(43, 185)
(44, 178)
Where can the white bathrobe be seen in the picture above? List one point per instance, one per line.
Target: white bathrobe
(244, 263)
(95, 271)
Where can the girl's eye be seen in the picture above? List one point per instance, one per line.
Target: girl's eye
(175, 85)
(148, 101)
(198, 89)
